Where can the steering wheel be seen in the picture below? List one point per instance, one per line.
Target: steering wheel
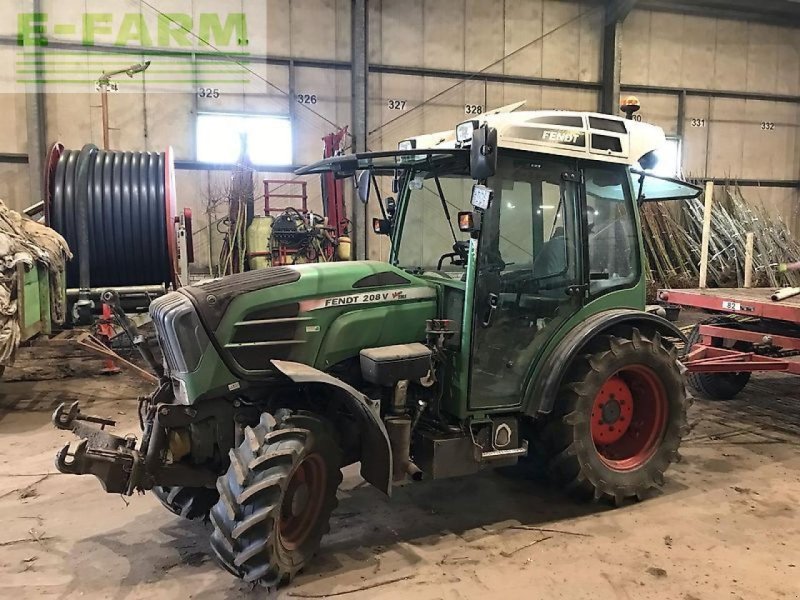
(458, 256)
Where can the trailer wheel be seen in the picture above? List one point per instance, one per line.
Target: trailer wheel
(620, 416)
(276, 499)
(718, 386)
(187, 502)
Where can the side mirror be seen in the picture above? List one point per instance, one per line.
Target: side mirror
(391, 208)
(649, 160)
(363, 186)
(381, 226)
(483, 156)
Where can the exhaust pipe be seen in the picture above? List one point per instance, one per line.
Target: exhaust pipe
(399, 431)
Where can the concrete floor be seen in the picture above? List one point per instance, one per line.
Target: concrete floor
(726, 525)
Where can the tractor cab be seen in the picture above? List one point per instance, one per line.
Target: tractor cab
(526, 222)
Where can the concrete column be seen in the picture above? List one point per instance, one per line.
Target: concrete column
(35, 125)
(358, 121)
(616, 11)
(612, 67)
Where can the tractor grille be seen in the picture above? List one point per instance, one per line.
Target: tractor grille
(265, 335)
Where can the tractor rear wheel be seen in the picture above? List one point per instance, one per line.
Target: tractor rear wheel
(187, 502)
(620, 418)
(276, 498)
(718, 386)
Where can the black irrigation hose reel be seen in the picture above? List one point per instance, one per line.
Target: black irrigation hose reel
(117, 211)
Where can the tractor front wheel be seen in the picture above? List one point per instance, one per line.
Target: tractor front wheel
(620, 418)
(187, 502)
(276, 498)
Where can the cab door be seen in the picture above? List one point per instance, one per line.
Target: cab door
(529, 275)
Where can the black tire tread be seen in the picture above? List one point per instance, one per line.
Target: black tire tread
(244, 540)
(573, 460)
(716, 386)
(187, 502)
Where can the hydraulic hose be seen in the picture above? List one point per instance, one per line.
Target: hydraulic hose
(115, 210)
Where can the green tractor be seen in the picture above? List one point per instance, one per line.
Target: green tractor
(507, 329)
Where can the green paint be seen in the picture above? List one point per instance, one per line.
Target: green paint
(343, 330)
(133, 29)
(34, 301)
(31, 29)
(123, 62)
(213, 31)
(173, 29)
(65, 29)
(135, 51)
(174, 81)
(460, 395)
(151, 72)
(95, 24)
(174, 26)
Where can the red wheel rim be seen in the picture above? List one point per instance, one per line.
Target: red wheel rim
(629, 417)
(53, 156)
(302, 501)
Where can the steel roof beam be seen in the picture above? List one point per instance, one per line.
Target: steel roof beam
(616, 11)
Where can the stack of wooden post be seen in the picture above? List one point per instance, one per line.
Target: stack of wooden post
(672, 243)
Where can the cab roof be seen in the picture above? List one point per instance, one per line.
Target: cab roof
(587, 135)
(592, 136)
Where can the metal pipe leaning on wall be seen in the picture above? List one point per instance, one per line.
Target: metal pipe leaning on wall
(116, 209)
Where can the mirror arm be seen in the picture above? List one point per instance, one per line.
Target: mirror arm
(378, 193)
(639, 199)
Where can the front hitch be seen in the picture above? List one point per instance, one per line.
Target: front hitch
(112, 459)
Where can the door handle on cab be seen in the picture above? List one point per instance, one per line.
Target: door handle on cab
(492, 302)
(577, 290)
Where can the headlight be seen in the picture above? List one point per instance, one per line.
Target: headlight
(182, 336)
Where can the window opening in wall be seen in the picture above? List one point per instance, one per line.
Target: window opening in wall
(221, 138)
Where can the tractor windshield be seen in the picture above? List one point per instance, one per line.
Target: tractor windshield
(427, 237)
(531, 229)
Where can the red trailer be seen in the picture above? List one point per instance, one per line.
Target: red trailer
(749, 332)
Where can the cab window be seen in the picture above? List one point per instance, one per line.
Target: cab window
(612, 237)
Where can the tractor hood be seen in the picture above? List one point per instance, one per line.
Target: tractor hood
(317, 314)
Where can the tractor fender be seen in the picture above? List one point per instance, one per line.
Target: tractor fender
(376, 452)
(541, 392)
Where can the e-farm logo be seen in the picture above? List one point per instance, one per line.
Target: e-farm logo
(78, 48)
